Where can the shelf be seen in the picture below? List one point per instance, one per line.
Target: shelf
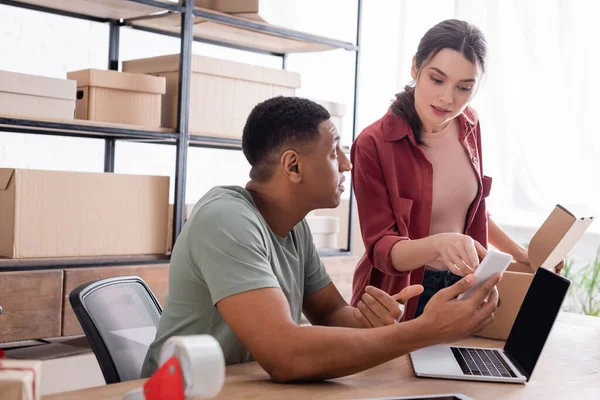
(226, 143)
(98, 10)
(215, 142)
(231, 31)
(8, 264)
(83, 128)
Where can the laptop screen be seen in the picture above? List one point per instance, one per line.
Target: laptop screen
(535, 319)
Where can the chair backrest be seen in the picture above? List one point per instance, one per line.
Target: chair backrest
(119, 317)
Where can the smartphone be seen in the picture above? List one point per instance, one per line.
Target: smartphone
(447, 396)
(495, 261)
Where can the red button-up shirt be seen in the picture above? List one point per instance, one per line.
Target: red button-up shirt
(393, 183)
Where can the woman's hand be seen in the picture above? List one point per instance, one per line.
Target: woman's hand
(559, 267)
(460, 253)
(521, 256)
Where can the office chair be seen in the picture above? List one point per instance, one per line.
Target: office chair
(119, 316)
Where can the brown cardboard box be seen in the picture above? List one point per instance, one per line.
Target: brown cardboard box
(119, 97)
(548, 247)
(31, 96)
(188, 211)
(250, 9)
(222, 92)
(230, 6)
(77, 214)
(20, 379)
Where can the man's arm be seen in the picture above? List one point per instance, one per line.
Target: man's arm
(261, 320)
(327, 308)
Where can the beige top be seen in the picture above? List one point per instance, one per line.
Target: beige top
(454, 181)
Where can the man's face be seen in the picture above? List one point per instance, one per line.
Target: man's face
(323, 169)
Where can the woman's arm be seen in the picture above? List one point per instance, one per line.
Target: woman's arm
(503, 242)
(460, 253)
(378, 224)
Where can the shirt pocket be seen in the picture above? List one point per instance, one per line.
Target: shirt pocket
(402, 208)
(486, 186)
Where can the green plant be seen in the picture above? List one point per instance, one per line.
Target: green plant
(568, 269)
(584, 292)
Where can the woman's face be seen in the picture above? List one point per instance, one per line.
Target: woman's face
(444, 87)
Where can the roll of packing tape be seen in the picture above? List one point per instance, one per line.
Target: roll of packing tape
(135, 394)
(202, 363)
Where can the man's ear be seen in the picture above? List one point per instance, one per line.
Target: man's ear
(290, 164)
(414, 70)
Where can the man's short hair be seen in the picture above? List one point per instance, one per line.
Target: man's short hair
(275, 123)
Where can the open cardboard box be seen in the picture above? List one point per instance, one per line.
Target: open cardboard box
(548, 248)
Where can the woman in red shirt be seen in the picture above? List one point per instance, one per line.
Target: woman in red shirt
(418, 176)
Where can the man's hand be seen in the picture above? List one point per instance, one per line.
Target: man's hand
(450, 319)
(377, 308)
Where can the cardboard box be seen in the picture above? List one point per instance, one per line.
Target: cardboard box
(20, 379)
(548, 248)
(77, 214)
(31, 96)
(118, 97)
(231, 6)
(222, 92)
(57, 359)
(256, 10)
(188, 212)
(342, 213)
(336, 110)
(325, 230)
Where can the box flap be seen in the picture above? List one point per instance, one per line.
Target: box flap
(34, 85)
(578, 211)
(5, 175)
(119, 80)
(217, 67)
(557, 236)
(519, 267)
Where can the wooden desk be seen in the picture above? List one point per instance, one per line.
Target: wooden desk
(569, 368)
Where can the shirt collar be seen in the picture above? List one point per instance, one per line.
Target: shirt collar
(396, 128)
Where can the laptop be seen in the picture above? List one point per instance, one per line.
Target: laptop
(514, 363)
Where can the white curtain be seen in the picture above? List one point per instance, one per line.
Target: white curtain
(539, 105)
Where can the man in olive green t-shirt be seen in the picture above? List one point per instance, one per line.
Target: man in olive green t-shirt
(225, 248)
(245, 267)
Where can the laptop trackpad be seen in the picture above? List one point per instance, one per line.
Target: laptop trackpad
(436, 361)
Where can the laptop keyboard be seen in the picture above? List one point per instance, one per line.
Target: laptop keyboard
(483, 362)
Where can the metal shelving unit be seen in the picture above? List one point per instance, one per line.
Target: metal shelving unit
(181, 20)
